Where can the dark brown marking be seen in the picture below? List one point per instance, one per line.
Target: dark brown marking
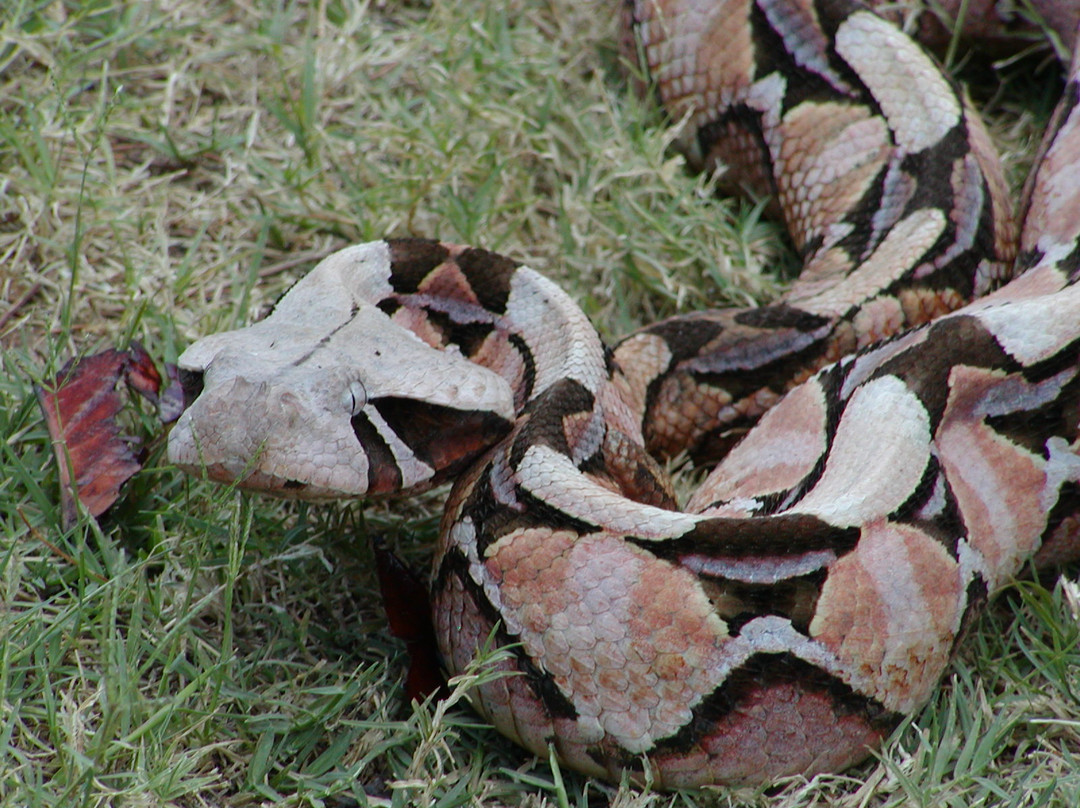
(772, 55)
(737, 602)
(925, 367)
(685, 336)
(947, 526)
(489, 275)
(412, 260)
(544, 426)
(743, 119)
(761, 673)
(444, 438)
(384, 476)
(781, 315)
(493, 519)
(528, 378)
(783, 535)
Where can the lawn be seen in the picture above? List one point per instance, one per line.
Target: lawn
(168, 169)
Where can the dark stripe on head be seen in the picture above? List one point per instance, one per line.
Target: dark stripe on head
(411, 260)
(444, 438)
(325, 339)
(384, 476)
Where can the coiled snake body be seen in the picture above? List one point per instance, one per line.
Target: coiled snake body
(811, 591)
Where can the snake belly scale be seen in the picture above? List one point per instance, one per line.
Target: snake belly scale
(897, 435)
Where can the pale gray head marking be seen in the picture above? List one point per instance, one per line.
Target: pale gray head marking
(278, 398)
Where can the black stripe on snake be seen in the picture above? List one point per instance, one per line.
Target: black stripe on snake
(896, 436)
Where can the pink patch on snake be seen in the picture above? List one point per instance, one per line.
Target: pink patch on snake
(632, 652)
(878, 319)
(417, 321)
(447, 280)
(508, 702)
(890, 611)
(578, 428)
(819, 186)
(997, 484)
(1042, 280)
(924, 305)
(782, 729)
(497, 353)
(781, 451)
(709, 58)
(1055, 202)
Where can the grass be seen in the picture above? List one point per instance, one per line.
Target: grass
(167, 170)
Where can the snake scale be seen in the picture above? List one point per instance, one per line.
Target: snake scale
(915, 396)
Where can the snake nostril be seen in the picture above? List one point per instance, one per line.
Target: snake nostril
(191, 383)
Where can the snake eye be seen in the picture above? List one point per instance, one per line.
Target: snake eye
(354, 398)
(191, 383)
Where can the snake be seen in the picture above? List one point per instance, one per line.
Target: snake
(894, 438)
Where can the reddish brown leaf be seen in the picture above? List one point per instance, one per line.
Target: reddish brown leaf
(408, 611)
(142, 375)
(80, 408)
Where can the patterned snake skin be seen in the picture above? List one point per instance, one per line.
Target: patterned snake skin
(915, 396)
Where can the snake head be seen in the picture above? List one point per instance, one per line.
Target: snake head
(329, 397)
